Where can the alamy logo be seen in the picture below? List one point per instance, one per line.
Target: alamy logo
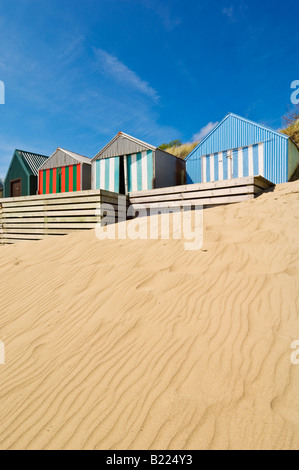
(2, 93)
(295, 354)
(177, 223)
(295, 94)
(2, 353)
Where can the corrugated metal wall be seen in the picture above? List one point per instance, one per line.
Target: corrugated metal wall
(123, 146)
(60, 180)
(235, 133)
(169, 170)
(139, 172)
(293, 159)
(107, 174)
(18, 169)
(33, 182)
(85, 176)
(235, 163)
(59, 159)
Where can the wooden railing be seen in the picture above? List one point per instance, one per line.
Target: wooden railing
(38, 217)
(204, 194)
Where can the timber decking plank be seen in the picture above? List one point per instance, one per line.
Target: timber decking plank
(196, 202)
(50, 217)
(46, 214)
(18, 229)
(62, 207)
(75, 194)
(246, 181)
(49, 202)
(202, 194)
(196, 187)
(36, 231)
(28, 220)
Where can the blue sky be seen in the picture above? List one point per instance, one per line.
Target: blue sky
(77, 72)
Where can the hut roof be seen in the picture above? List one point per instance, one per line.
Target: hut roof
(239, 119)
(33, 160)
(123, 144)
(62, 157)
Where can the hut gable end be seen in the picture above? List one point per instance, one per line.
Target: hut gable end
(234, 132)
(238, 147)
(62, 158)
(123, 144)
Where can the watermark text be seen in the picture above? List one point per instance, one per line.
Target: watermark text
(2, 353)
(295, 94)
(295, 354)
(163, 223)
(2, 92)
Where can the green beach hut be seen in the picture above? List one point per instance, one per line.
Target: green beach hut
(22, 175)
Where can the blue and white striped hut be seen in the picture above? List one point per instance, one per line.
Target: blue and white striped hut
(128, 165)
(238, 148)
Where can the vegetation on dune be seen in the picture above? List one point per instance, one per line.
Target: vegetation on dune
(172, 144)
(178, 149)
(182, 151)
(291, 123)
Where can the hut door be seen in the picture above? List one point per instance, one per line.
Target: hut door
(230, 165)
(58, 180)
(16, 188)
(122, 183)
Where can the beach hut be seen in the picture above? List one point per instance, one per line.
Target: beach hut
(238, 148)
(22, 175)
(64, 172)
(127, 164)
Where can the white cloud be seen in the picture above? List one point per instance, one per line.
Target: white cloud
(111, 65)
(72, 48)
(165, 13)
(236, 13)
(229, 12)
(204, 131)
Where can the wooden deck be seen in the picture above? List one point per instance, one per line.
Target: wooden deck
(38, 217)
(206, 194)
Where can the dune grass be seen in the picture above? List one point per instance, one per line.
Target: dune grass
(293, 131)
(183, 150)
(291, 124)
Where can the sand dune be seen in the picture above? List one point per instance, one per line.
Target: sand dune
(143, 345)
